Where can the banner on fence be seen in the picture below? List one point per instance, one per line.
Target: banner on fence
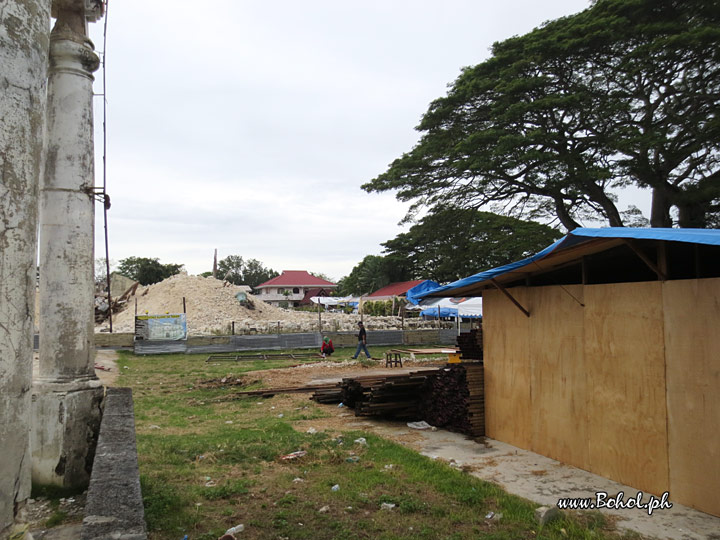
(160, 327)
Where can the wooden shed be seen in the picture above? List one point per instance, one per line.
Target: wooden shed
(603, 352)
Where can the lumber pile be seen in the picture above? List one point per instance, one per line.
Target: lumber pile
(475, 375)
(454, 400)
(471, 344)
(332, 394)
(451, 397)
(397, 396)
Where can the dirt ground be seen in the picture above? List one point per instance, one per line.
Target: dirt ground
(521, 472)
(518, 471)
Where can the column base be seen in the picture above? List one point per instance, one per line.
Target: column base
(66, 422)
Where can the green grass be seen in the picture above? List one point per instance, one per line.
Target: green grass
(209, 461)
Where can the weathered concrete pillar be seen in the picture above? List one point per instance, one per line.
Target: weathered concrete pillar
(66, 393)
(24, 28)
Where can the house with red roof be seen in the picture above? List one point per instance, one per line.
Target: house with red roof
(291, 286)
(394, 289)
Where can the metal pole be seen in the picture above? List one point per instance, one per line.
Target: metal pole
(105, 196)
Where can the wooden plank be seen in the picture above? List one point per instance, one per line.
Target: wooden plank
(625, 363)
(507, 368)
(558, 386)
(692, 345)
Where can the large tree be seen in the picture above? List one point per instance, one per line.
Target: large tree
(449, 244)
(373, 273)
(147, 271)
(558, 120)
(251, 272)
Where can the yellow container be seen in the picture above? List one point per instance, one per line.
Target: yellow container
(453, 358)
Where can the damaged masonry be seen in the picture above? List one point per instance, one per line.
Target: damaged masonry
(48, 426)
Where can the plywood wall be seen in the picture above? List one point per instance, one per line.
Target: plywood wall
(627, 386)
(558, 385)
(625, 361)
(506, 352)
(692, 342)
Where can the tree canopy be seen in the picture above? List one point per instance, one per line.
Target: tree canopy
(251, 272)
(147, 271)
(557, 120)
(373, 273)
(447, 245)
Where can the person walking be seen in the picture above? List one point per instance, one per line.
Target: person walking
(362, 341)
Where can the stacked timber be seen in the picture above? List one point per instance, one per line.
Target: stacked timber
(397, 396)
(328, 395)
(471, 344)
(453, 399)
(475, 375)
(379, 395)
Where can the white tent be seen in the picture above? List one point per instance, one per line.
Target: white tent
(466, 307)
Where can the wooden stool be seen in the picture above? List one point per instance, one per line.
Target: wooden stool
(393, 359)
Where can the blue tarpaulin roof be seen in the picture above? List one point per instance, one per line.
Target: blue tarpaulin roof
(582, 236)
(412, 294)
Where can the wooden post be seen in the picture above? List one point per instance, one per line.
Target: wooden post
(136, 306)
(233, 328)
(662, 258)
(184, 308)
(278, 328)
(438, 325)
(319, 318)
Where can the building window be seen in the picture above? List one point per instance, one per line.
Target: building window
(296, 290)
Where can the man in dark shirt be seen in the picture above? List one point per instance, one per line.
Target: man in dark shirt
(362, 341)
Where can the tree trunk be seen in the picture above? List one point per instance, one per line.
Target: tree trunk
(660, 211)
(564, 216)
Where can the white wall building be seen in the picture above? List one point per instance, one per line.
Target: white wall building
(292, 287)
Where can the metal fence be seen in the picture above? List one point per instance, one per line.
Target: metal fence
(309, 340)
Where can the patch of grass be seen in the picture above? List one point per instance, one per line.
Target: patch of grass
(57, 518)
(209, 462)
(165, 507)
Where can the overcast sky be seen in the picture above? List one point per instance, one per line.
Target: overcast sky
(250, 126)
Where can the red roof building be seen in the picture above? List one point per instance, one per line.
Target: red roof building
(394, 289)
(291, 286)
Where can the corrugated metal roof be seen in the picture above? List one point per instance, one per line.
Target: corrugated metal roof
(575, 244)
(296, 278)
(396, 289)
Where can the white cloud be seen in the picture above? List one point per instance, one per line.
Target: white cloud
(249, 127)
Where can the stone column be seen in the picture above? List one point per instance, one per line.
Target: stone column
(66, 393)
(24, 28)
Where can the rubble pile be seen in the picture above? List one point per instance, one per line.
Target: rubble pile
(212, 306)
